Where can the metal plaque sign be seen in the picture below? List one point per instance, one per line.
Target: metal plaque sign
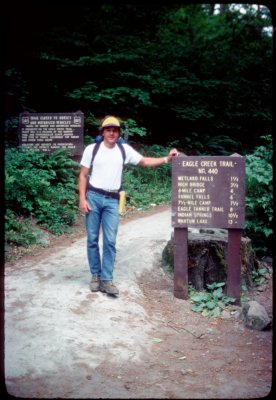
(50, 131)
(208, 192)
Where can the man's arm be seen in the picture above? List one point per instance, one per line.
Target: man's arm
(156, 161)
(83, 203)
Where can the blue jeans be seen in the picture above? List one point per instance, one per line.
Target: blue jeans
(104, 214)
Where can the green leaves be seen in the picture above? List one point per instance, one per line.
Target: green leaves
(260, 275)
(194, 68)
(210, 303)
(41, 186)
(134, 129)
(148, 185)
(259, 196)
(117, 95)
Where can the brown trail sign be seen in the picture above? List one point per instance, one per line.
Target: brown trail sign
(208, 192)
(48, 132)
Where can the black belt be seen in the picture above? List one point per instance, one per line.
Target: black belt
(114, 195)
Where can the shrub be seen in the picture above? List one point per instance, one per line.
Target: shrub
(41, 186)
(212, 302)
(259, 197)
(145, 186)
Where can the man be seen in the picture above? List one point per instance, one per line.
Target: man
(100, 199)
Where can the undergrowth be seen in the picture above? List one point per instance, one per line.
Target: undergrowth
(43, 188)
(211, 302)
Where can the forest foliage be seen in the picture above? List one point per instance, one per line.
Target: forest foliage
(183, 72)
(42, 189)
(197, 77)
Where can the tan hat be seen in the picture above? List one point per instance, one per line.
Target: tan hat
(110, 121)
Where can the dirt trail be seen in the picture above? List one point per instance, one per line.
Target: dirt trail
(62, 341)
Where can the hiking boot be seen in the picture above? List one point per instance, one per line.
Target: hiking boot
(95, 284)
(108, 287)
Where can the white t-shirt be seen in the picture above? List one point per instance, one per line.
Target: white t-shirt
(108, 165)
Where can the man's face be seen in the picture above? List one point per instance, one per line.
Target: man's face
(110, 135)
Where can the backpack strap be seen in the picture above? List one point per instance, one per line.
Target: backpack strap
(94, 152)
(121, 147)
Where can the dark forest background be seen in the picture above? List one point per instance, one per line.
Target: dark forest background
(196, 73)
(198, 77)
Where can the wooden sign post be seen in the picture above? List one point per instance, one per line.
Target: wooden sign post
(208, 192)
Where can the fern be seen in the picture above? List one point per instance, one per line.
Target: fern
(259, 197)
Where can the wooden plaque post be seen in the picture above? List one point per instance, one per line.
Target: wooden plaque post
(208, 192)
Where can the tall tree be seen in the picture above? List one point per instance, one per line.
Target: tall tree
(182, 71)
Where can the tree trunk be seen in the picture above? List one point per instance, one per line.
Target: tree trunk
(207, 254)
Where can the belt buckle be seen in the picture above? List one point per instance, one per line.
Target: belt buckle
(109, 193)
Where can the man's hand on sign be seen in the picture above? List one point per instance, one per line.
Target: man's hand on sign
(172, 153)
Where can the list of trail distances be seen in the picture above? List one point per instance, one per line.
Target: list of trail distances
(208, 192)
